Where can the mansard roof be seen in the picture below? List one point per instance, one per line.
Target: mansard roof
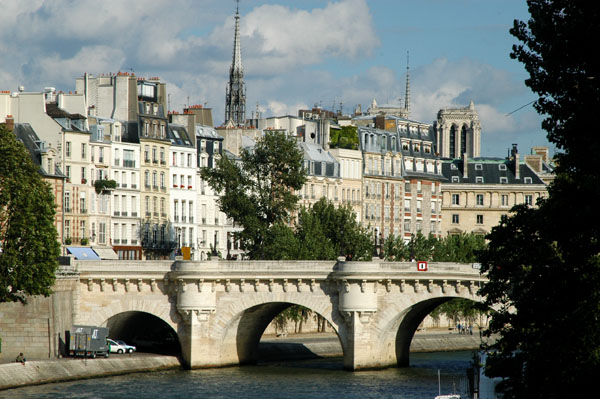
(178, 135)
(36, 147)
(487, 170)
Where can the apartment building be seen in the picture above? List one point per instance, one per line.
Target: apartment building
(478, 191)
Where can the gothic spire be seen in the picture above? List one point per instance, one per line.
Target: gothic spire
(407, 93)
(235, 95)
(236, 63)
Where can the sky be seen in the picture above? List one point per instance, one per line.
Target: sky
(295, 54)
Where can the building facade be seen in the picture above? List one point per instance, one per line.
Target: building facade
(479, 191)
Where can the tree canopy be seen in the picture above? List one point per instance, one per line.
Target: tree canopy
(461, 248)
(543, 264)
(29, 248)
(257, 191)
(322, 231)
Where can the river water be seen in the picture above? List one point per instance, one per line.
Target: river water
(321, 378)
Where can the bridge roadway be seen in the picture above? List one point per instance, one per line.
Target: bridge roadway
(218, 310)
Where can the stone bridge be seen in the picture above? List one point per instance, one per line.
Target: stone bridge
(218, 310)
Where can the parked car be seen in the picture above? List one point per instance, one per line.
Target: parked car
(119, 346)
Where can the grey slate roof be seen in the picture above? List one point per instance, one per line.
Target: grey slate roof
(178, 136)
(490, 169)
(25, 133)
(318, 156)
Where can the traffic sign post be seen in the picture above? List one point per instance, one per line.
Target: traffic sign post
(422, 266)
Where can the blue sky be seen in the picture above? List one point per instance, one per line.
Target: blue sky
(295, 53)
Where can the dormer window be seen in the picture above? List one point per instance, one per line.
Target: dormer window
(454, 179)
(478, 166)
(502, 166)
(478, 179)
(147, 108)
(528, 180)
(503, 180)
(453, 166)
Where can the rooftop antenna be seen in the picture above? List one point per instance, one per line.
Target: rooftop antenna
(407, 92)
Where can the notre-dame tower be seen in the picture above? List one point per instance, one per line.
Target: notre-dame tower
(235, 96)
(458, 132)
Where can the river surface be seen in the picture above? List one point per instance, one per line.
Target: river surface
(320, 379)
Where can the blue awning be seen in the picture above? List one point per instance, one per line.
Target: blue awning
(83, 253)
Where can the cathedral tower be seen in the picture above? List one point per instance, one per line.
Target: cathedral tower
(235, 95)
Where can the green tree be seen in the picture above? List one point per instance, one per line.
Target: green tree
(340, 227)
(29, 248)
(346, 137)
(258, 191)
(543, 264)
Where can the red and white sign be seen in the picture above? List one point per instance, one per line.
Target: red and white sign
(422, 266)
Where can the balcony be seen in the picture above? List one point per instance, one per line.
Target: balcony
(216, 221)
(133, 241)
(117, 162)
(116, 241)
(184, 219)
(124, 241)
(124, 185)
(83, 210)
(128, 163)
(191, 219)
(203, 220)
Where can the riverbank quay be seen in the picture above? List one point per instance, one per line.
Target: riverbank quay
(316, 345)
(34, 372)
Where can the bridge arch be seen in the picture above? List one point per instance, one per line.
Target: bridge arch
(244, 322)
(399, 322)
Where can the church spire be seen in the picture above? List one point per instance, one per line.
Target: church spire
(235, 95)
(407, 93)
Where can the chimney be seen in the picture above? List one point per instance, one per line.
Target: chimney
(465, 161)
(10, 123)
(515, 156)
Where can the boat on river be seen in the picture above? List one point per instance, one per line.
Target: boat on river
(449, 396)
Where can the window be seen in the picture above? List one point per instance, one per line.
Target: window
(502, 166)
(479, 219)
(162, 156)
(529, 200)
(479, 199)
(154, 159)
(478, 179)
(147, 179)
(454, 179)
(504, 200)
(453, 166)
(478, 166)
(455, 218)
(67, 204)
(146, 154)
(82, 229)
(528, 180)
(83, 151)
(407, 187)
(503, 180)
(162, 180)
(68, 149)
(455, 199)
(407, 205)
(102, 232)
(406, 224)
(67, 228)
